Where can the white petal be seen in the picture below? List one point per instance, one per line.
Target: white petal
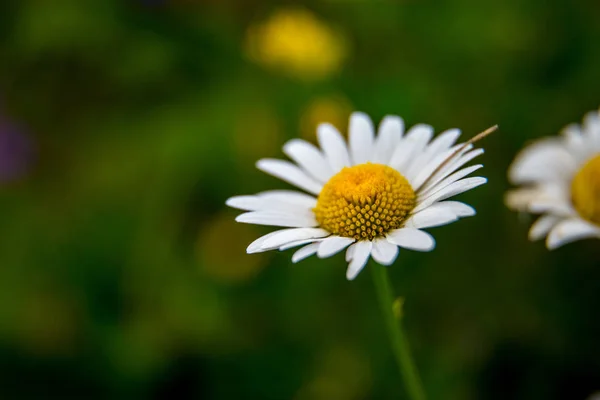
(390, 132)
(286, 201)
(450, 167)
(557, 206)
(248, 203)
(384, 252)
(361, 138)
(305, 201)
(444, 141)
(411, 146)
(521, 199)
(575, 142)
(449, 180)
(333, 245)
(305, 252)
(290, 173)
(570, 230)
(458, 208)
(440, 145)
(333, 146)
(591, 126)
(361, 253)
(418, 178)
(309, 158)
(350, 253)
(439, 214)
(287, 236)
(450, 190)
(297, 243)
(273, 218)
(256, 246)
(413, 239)
(434, 215)
(544, 160)
(542, 226)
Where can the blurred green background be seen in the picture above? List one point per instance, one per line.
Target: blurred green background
(124, 126)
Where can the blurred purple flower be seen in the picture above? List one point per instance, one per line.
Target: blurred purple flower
(16, 151)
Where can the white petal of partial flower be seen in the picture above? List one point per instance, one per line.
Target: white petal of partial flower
(292, 235)
(413, 239)
(545, 160)
(361, 253)
(575, 142)
(361, 138)
(384, 252)
(333, 245)
(521, 199)
(591, 126)
(450, 167)
(558, 206)
(305, 252)
(410, 146)
(440, 145)
(434, 215)
(542, 226)
(309, 158)
(449, 180)
(274, 218)
(256, 246)
(390, 132)
(570, 230)
(290, 173)
(334, 147)
(449, 191)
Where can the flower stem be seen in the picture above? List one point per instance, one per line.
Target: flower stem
(399, 342)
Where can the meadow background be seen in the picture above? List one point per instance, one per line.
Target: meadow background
(125, 125)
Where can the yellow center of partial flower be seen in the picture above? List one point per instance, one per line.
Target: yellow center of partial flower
(585, 190)
(364, 201)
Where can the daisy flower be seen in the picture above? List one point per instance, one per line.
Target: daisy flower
(371, 196)
(562, 182)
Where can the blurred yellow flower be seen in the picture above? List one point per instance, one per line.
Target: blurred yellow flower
(297, 42)
(335, 110)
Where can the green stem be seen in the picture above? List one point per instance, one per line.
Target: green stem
(399, 342)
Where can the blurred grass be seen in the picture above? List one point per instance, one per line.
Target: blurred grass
(123, 275)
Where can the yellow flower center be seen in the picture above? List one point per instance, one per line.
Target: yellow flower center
(585, 190)
(364, 201)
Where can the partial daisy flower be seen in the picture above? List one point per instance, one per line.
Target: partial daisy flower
(562, 183)
(371, 196)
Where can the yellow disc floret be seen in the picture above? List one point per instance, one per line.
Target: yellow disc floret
(585, 190)
(364, 201)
